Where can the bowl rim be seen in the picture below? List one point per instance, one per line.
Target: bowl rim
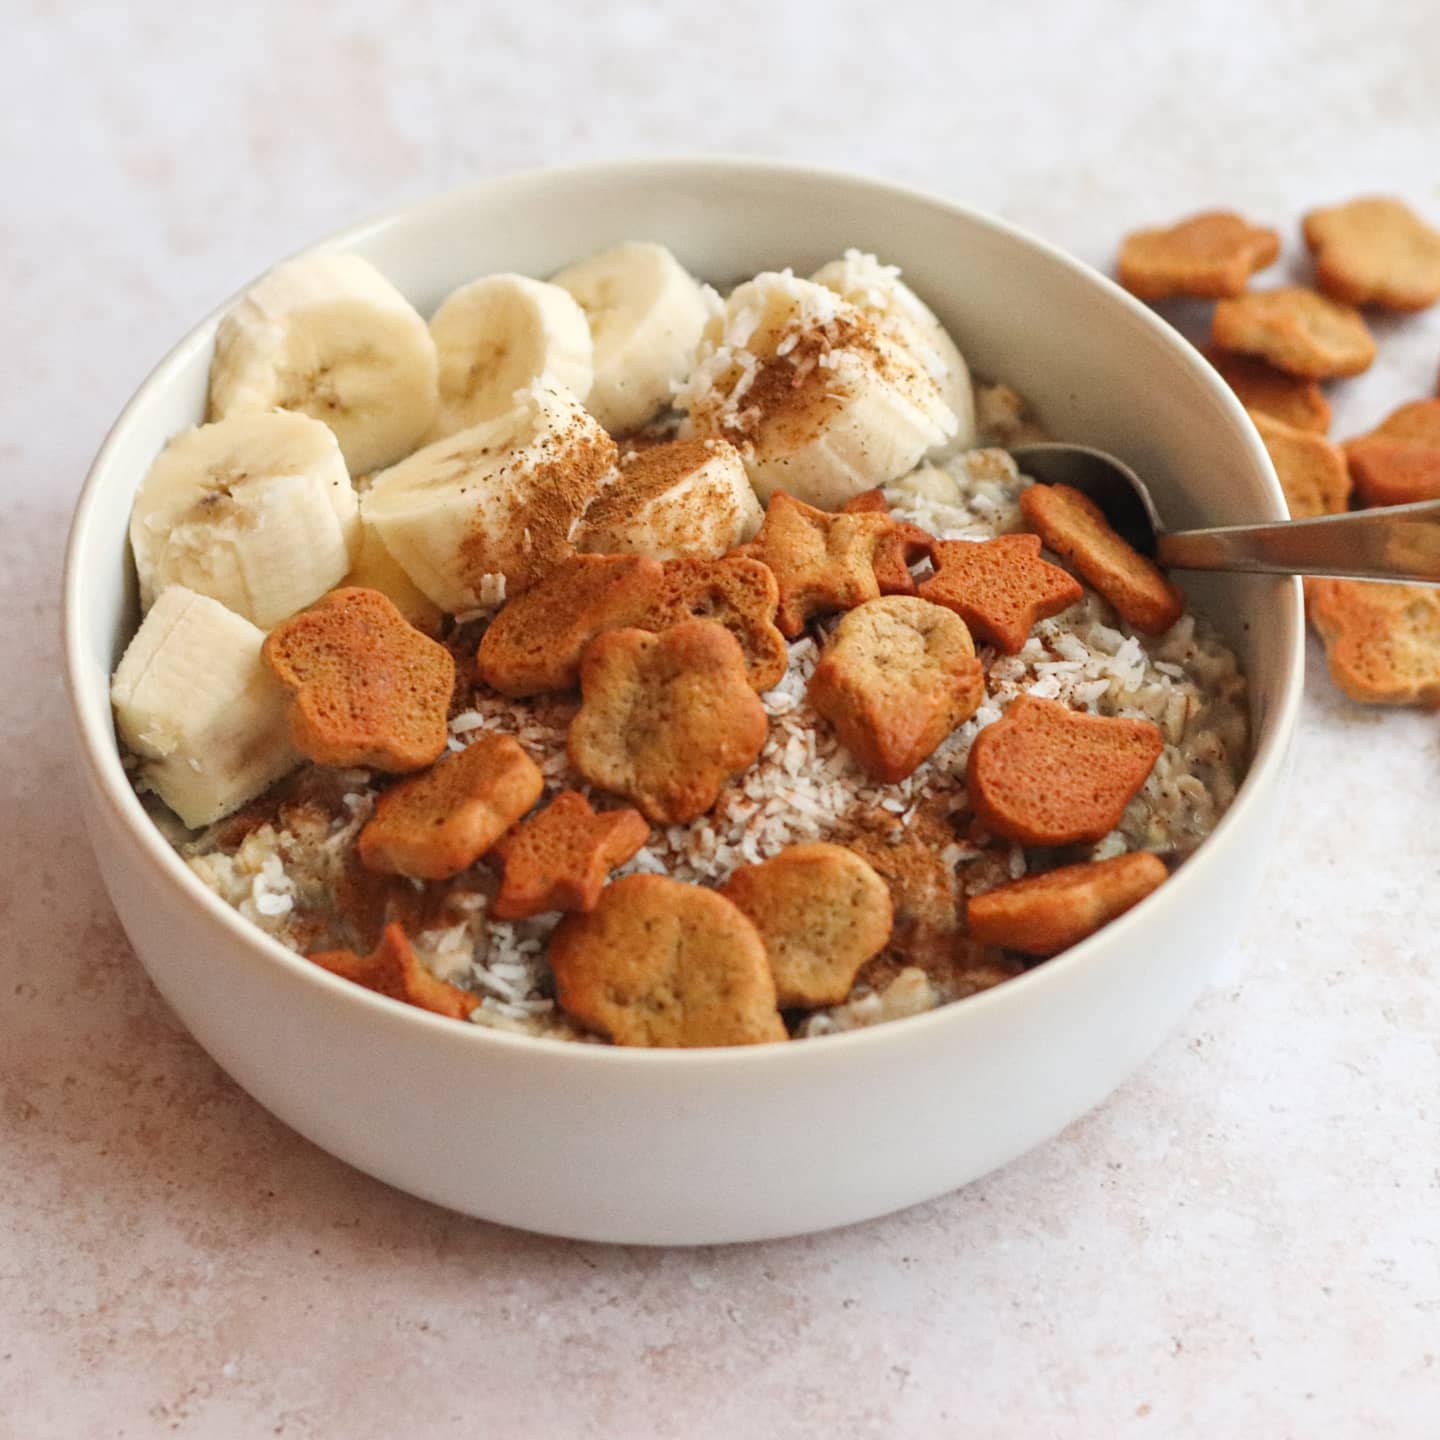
(100, 754)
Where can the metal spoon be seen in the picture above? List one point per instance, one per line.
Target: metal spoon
(1398, 542)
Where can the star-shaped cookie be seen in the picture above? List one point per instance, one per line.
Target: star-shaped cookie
(1000, 588)
(822, 562)
(560, 859)
(902, 546)
(394, 969)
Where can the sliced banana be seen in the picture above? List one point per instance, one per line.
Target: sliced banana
(878, 291)
(818, 400)
(256, 511)
(375, 568)
(486, 511)
(646, 313)
(501, 334)
(330, 336)
(686, 497)
(193, 699)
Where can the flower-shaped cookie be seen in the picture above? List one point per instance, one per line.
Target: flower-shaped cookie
(1206, 256)
(394, 969)
(999, 587)
(822, 913)
(822, 562)
(1297, 331)
(897, 677)
(1261, 387)
(1375, 252)
(660, 963)
(1075, 528)
(1312, 471)
(1045, 914)
(666, 719)
(437, 824)
(559, 860)
(1044, 774)
(1399, 460)
(1382, 641)
(367, 688)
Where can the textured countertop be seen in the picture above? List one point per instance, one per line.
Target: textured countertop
(1243, 1241)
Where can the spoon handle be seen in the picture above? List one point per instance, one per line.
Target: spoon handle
(1398, 542)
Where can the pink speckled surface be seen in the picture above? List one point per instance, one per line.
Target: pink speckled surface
(1244, 1241)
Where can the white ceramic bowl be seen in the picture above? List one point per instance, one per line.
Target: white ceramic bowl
(718, 1145)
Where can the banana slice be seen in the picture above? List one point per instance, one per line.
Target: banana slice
(818, 400)
(898, 312)
(375, 568)
(330, 336)
(193, 700)
(687, 497)
(486, 511)
(256, 511)
(646, 313)
(501, 334)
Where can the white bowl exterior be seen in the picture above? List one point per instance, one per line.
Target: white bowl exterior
(703, 1147)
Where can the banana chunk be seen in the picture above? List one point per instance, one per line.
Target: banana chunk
(487, 511)
(501, 334)
(193, 700)
(330, 336)
(256, 511)
(685, 498)
(898, 312)
(646, 313)
(820, 402)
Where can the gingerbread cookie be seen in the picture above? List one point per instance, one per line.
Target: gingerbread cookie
(437, 824)
(901, 547)
(1312, 471)
(394, 969)
(1261, 387)
(666, 719)
(822, 912)
(1075, 528)
(1399, 460)
(1375, 252)
(534, 644)
(1000, 588)
(1382, 640)
(1297, 331)
(1207, 256)
(1044, 774)
(1045, 914)
(659, 963)
(561, 858)
(898, 675)
(367, 688)
(823, 562)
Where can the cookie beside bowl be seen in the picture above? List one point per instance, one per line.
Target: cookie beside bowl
(705, 1146)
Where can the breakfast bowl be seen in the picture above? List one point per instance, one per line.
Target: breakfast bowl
(711, 1145)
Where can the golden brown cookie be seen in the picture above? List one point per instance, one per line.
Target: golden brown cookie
(659, 963)
(1399, 460)
(1075, 528)
(1375, 251)
(1044, 774)
(1045, 914)
(1000, 588)
(1382, 640)
(1297, 331)
(1312, 471)
(394, 969)
(367, 688)
(822, 562)
(534, 644)
(1259, 386)
(666, 719)
(902, 546)
(437, 824)
(898, 675)
(561, 858)
(1206, 256)
(822, 912)
(739, 593)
